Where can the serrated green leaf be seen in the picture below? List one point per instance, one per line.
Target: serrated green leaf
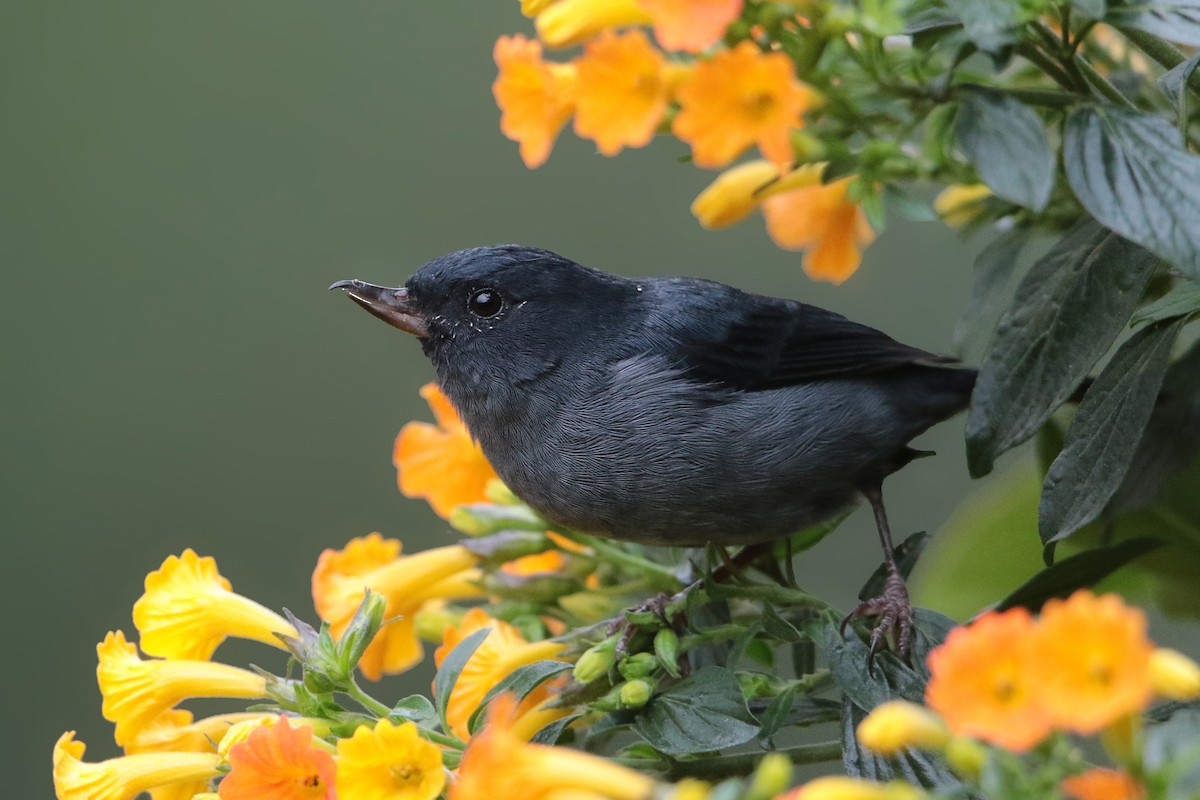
(1132, 172)
(990, 24)
(1174, 82)
(701, 713)
(994, 269)
(1067, 311)
(520, 682)
(1102, 439)
(452, 666)
(1173, 20)
(907, 553)
(1181, 301)
(1006, 141)
(1082, 570)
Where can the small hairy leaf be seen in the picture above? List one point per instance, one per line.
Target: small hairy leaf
(1065, 314)
(1182, 301)
(703, 712)
(1079, 571)
(1101, 441)
(1006, 141)
(452, 666)
(1174, 82)
(1132, 173)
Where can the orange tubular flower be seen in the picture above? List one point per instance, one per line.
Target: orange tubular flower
(739, 190)
(1102, 784)
(389, 762)
(279, 762)
(406, 582)
(499, 764)
(502, 652)
(691, 25)
(824, 222)
(741, 97)
(533, 96)
(1093, 657)
(982, 685)
(136, 691)
(188, 609)
(620, 91)
(126, 777)
(441, 462)
(567, 23)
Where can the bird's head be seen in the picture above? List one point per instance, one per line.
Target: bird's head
(502, 314)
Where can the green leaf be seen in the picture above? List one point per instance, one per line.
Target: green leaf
(1173, 20)
(1174, 83)
(1082, 570)
(994, 268)
(416, 708)
(1095, 9)
(813, 534)
(1132, 172)
(1066, 312)
(1101, 441)
(777, 627)
(990, 24)
(1006, 141)
(701, 713)
(1181, 301)
(907, 553)
(551, 733)
(447, 674)
(520, 682)
(776, 714)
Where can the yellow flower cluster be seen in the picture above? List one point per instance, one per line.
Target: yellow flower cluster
(622, 90)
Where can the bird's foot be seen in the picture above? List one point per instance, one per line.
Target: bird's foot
(895, 615)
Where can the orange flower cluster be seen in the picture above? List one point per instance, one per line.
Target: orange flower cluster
(1011, 680)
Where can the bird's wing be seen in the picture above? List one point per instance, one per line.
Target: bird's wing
(782, 343)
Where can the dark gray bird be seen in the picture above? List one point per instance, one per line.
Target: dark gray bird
(671, 411)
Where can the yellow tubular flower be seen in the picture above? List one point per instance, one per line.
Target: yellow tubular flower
(1174, 675)
(503, 651)
(498, 764)
(958, 205)
(897, 724)
(174, 731)
(531, 8)
(389, 762)
(137, 691)
(406, 583)
(738, 191)
(836, 787)
(188, 609)
(126, 777)
(567, 23)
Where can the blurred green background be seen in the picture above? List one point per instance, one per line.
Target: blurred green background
(180, 182)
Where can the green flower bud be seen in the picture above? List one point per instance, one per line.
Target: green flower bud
(638, 665)
(596, 661)
(635, 694)
(480, 519)
(431, 623)
(774, 774)
(500, 494)
(367, 621)
(666, 648)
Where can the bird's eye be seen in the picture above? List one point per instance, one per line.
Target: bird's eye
(485, 303)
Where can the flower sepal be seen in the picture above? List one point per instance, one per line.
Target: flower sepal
(496, 548)
(480, 519)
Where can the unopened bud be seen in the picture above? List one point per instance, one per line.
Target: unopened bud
(1174, 675)
(966, 757)
(635, 694)
(897, 724)
(638, 665)
(666, 648)
(773, 775)
(596, 661)
(480, 519)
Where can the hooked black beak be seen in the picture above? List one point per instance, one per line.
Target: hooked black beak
(390, 305)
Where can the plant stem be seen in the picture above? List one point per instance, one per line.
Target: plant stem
(381, 711)
(660, 576)
(1048, 65)
(774, 593)
(744, 763)
(1165, 53)
(1101, 83)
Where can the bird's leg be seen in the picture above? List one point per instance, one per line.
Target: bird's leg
(892, 607)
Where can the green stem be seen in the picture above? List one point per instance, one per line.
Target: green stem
(381, 711)
(1047, 98)
(1101, 83)
(660, 576)
(1048, 65)
(1166, 54)
(745, 763)
(719, 633)
(774, 593)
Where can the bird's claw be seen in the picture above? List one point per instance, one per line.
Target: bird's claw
(895, 614)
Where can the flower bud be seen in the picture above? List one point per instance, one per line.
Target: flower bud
(837, 787)
(497, 492)
(479, 519)
(1174, 675)
(359, 634)
(240, 732)
(638, 665)
(897, 724)
(966, 757)
(635, 694)
(958, 205)
(773, 775)
(666, 648)
(689, 789)
(596, 661)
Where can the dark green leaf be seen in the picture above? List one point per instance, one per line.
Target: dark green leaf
(776, 713)
(907, 206)
(703, 712)
(415, 707)
(890, 678)
(552, 732)
(994, 268)
(1066, 312)
(1132, 172)
(520, 682)
(447, 674)
(1095, 9)
(777, 627)
(1173, 20)
(1174, 83)
(990, 24)
(813, 534)
(1172, 438)
(907, 553)
(912, 766)
(1182, 301)
(1082, 570)
(1006, 142)
(1105, 433)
